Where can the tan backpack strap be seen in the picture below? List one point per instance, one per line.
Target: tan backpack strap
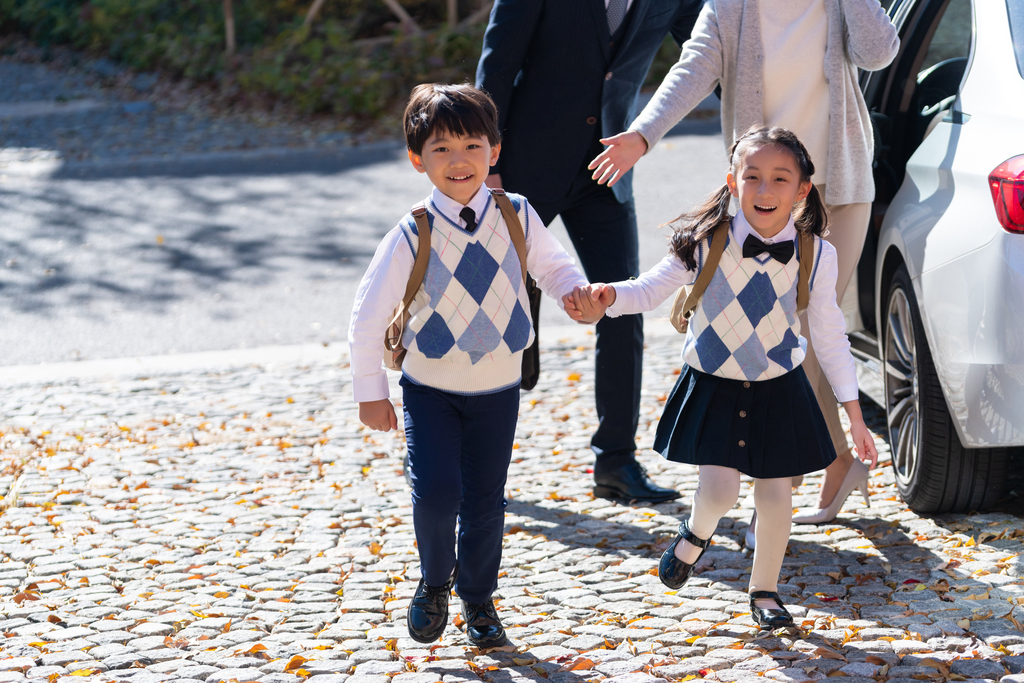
(419, 271)
(515, 227)
(707, 271)
(803, 294)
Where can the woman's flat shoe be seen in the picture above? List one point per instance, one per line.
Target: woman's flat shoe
(769, 618)
(856, 478)
(672, 571)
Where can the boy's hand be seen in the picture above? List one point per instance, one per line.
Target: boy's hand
(624, 150)
(589, 303)
(378, 415)
(863, 441)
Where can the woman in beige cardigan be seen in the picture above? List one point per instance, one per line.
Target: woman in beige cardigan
(789, 63)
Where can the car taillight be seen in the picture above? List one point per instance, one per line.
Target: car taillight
(1007, 185)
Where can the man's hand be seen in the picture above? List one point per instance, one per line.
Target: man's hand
(494, 180)
(624, 150)
(378, 415)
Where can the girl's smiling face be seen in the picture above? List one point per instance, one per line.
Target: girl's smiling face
(768, 183)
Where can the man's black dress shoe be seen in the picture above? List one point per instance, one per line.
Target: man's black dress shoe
(630, 482)
(672, 571)
(769, 618)
(428, 611)
(483, 628)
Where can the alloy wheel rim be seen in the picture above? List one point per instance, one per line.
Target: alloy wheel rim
(901, 388)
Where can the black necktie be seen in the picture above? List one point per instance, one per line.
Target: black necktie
(780, 251)
(469, 215)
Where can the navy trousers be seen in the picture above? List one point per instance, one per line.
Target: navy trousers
(604, 234)
(459, 451)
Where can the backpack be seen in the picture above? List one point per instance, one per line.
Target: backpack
(394, 351)
(689, 296)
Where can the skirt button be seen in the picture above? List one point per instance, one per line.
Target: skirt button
(742, 443)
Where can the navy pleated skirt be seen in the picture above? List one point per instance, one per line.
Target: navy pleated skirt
(766, 429)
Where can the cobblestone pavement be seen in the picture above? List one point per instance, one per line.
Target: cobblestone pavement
(241, 526)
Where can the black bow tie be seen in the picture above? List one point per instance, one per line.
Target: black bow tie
(780, 251)
(469, 215)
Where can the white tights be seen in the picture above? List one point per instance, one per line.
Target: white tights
(717, 491)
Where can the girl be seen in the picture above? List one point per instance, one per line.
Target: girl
(743, 404)
(795, 64)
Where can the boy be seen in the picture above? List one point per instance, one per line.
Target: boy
(469, 324)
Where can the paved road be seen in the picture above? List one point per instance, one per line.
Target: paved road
(114, 243)
(239, 525)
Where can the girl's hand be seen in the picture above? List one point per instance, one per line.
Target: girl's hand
(592, 301)
(624, 150)
(378, 415)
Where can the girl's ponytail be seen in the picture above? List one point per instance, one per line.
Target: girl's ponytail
(692, 227)
(813, 217)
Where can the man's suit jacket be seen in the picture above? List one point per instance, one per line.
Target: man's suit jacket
(554, 76)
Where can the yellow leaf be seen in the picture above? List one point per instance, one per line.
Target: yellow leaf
(83, 672)
(222, 594)
(964, 624)
(920, 586)
(574, 377)
(294, 663)
(375, 548)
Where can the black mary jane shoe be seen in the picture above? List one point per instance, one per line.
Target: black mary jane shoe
(483, 627)
(769, 618)
(672, 571)
(428, 611)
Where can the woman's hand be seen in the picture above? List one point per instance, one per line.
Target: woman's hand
(378, 415)
(624, 150)
(863, 441)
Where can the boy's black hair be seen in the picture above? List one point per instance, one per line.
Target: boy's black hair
(457, 109)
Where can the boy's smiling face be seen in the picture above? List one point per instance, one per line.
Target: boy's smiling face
(457, 165)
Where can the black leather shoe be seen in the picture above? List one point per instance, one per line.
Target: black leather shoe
(428, 611)
(769, 618)
(672, 571)
(630, 482)
(483, 628)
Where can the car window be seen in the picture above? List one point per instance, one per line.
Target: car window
(952, 37)
(1015, 8)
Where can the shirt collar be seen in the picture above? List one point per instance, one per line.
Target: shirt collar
(450, 208)
(741, 228)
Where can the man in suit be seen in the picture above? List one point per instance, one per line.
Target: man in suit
(565, 74)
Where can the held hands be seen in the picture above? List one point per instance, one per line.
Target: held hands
(587, 304)
(378, 415)
(624, 150)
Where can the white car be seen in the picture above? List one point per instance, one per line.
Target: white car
(937, 314)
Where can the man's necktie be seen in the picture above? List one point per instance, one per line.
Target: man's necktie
(469, 215)
(780, 251)
(616, 13)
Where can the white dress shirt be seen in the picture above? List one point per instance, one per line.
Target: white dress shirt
(824, 317)
(383, 287)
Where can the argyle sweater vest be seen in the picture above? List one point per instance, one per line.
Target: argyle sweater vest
(470, 321)
(746, 325)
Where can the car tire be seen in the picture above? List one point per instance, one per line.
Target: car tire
(934, 472)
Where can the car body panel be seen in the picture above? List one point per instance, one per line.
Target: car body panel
(967, 272)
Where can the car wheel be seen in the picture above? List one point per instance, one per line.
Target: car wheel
(934, 472)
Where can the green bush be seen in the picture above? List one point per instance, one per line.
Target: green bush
(354, 62)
